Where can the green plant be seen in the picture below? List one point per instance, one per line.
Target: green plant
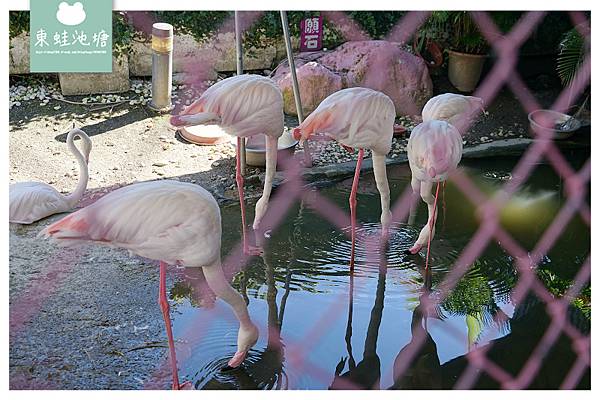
(18, 22)
(559, 287)
(456, 31)
(548, 33)
(471, 296)
(376, 24)
(572, 51)
(199, 24)
(122, 34)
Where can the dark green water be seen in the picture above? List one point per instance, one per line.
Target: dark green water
(318, 322)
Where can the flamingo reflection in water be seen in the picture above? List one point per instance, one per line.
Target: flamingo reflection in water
(263, 369)
(367, 373)
(424, 371)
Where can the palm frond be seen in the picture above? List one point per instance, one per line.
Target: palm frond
(572, 51)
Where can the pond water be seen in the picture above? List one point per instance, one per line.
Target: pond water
(318, 322)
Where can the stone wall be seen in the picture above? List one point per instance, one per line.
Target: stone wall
(189, 55)
(18, 56)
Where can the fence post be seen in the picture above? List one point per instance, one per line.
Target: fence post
(290, 56)
(240, 70)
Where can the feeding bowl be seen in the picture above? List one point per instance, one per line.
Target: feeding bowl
(256, 148)
(556, 118)
(204, 135)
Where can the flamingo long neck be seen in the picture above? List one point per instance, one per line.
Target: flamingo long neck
(74, 197)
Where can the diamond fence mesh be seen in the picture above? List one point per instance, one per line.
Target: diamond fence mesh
(503, 73)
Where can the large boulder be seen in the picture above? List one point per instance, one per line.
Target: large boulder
(315, 81)
(375, 64)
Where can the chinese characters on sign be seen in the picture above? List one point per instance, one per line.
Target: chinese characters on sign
(73, 37)
(311, 34)
(62, 39)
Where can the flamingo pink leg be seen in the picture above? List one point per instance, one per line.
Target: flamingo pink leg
(239, 179)
(431, 223)
(353, 205)
(444, 204)
(164, 306)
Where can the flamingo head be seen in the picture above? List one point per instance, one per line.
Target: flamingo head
(201, 118)
(437, 168)
(431, 172)
(86, 147)
(301, 134)
(297, 133)
(180, 121)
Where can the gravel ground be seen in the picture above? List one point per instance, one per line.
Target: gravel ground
(98, 325)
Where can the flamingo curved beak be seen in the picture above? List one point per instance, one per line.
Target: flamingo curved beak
(297, 134)
(432, 173)
(176, 121)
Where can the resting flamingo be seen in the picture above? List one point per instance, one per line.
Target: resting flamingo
(243, 105)
(434, 150)
(32, 201)
(170, 221)
(453, 108)
(357, 118)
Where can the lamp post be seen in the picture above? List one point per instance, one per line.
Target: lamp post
(162, 66)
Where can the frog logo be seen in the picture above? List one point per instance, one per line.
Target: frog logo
(70, 15)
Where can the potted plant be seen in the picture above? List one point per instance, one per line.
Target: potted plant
(425, 45)
(466, 47)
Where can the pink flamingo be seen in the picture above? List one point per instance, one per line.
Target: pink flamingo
(434, 150)
(455, 109)
(32, 201)
(243, 105)
(170, 221)
(357, 118)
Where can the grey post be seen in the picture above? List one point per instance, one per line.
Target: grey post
(162, 66)
(240, 70)
(290, 56)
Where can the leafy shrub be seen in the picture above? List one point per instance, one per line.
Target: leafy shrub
(18, 22)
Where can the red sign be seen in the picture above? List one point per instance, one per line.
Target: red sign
(311, 34)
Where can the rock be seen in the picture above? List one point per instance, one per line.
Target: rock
(19, 54)
(86, 83)
(375, 64)
(159, 164)
(316, 83)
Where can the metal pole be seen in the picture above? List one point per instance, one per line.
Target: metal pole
(162, 66)
(240, 70)
(290, 56)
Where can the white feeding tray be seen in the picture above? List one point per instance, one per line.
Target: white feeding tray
(256, 145)
(204, 135)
